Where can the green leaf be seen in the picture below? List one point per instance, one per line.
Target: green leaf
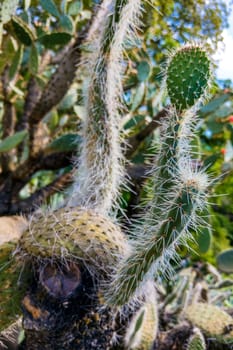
(33, 60)
(143, 70)
(138, 97)
(64, 143)
(68, 100)
(50, 40)
(49, 6)
(66, 23)
(74, 8)
(16, 62)
(11, 142)
(8, 52)
(225, 261)
(23, 31)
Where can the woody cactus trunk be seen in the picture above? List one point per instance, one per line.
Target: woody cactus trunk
(86, 286)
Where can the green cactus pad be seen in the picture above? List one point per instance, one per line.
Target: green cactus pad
(225, 261)
(74, 234)
(187, 76)
(212, 320)
(143, 328)
(196, 341)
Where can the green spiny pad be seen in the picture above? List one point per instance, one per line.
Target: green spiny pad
(188, 75)
(74, 233)
(196, 341)
(212, 320)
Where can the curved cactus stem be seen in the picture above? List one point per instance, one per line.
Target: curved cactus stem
(100, 170)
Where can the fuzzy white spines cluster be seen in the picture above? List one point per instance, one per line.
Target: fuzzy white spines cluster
(100, 167)
(185, 185)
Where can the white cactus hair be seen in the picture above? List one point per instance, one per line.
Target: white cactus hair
(100, 166)
(179, 195)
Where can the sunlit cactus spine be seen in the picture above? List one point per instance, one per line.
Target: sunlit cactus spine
(100, 166)
(180, 188)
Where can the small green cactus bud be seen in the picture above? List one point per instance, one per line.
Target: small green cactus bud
(212, 320)
(196, 341)
(188, 76)
(74, 233)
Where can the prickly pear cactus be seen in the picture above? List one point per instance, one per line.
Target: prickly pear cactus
(180, 190)
(187, 75)
(212, 320)
(143, 328)
(79, 234)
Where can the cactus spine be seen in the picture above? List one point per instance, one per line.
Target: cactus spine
(180, 188)
(100, 173)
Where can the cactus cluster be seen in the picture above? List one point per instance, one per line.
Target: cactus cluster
(82, 230)
(180, 188)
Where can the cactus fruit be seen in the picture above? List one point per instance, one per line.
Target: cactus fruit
(196, 341)
(179, 195)
(143, 328)
(187, 75)
(78, 234)
(213, 321)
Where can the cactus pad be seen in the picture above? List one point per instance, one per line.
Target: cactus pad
(187, 76)
(196, 341)
(212, 320)
(74, 234)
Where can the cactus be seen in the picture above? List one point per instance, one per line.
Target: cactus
(100, 171)
(180, 188)
(225, 261)
(143, 328)
(196, 341)
(78, 234)
(212, 320)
